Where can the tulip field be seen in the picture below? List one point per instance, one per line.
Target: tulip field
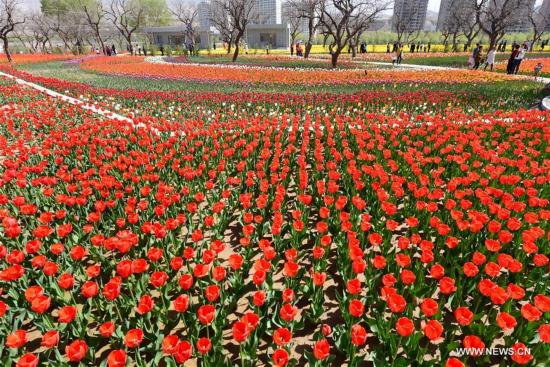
(366, 218)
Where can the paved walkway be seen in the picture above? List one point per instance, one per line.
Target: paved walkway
(71, 100)
(84, 105)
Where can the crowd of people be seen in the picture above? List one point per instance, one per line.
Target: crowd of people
(479, 58)
(413, 47)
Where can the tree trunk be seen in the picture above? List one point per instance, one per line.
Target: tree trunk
(307, 51)
(101, 43)
(334, 56)
(130, 47)
(6, 48)
(492, 40)
(309, 42)
(237, 40)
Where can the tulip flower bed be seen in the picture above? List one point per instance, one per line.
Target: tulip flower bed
(322, 236)
(528, 66)
(177, 99)
(169, 104)
(22, 59)
(139, 67)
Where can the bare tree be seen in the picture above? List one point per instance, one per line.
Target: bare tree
(307, 10)
(495, 17)
(71, 28)
(453, 25)
(292, 15)
(469, 24)
(24, 36)
(186, 14)
(95, 16)
(10, 18)
(342, 20)
(127, 16)
(240, 13)
(539, 22)
(41, 30)
(220, 21)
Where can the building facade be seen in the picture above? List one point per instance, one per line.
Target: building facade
(409, 15)
(520, 22)
(519, 10)
(267, 29)
(452, 11)
(268, 12)
(545, 12)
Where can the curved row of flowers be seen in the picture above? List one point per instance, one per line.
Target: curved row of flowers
(138, 67)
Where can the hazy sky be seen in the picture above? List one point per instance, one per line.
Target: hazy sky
(433, 5)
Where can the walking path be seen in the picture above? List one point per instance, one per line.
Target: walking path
(84, 105)
(73, 101)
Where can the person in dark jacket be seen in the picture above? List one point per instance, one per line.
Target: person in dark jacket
(511, 60)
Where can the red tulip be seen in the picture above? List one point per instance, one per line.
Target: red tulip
(50, 339)
(206, 314)
(404, 326)
(170, 344)
(280, 358)
(282, 336)
(321, 349)
(27, 360)
(116, 358)
(17, 339)
(433, 330)
(203, 345)
(76, 350)
(133, 338)
(66, 314)
(358, 335)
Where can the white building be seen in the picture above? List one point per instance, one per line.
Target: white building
(266, 30)
(268, 12)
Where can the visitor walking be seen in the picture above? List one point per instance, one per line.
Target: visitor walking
(490, 58)
(475, 53)
(519, 58)
(511, 59)
(537, 70)
(478, 57)
(399, 54)
(363, 48)
(113, 49)
(388, 48)
(299, 51)
(292, 49)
